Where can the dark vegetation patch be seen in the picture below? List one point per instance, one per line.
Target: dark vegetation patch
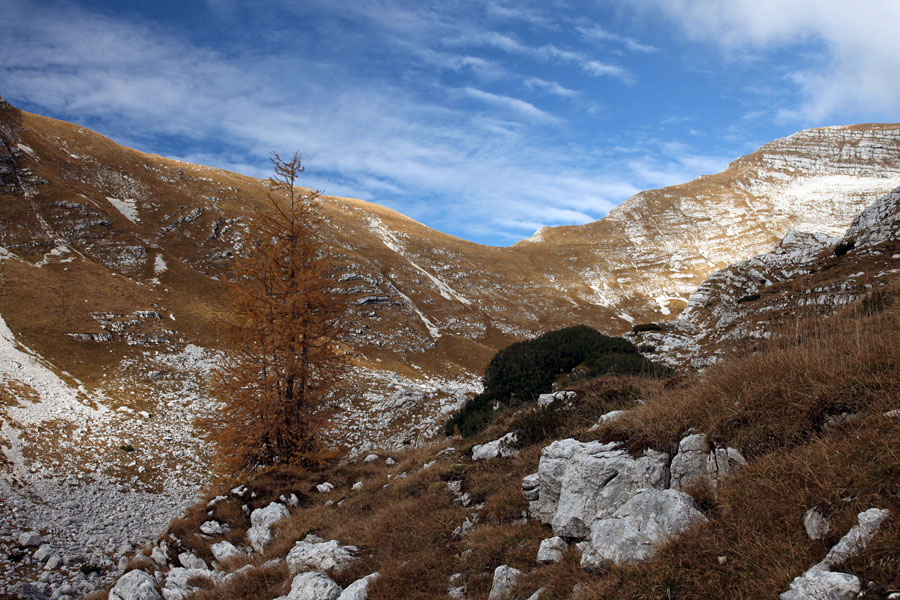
(646, 327)
(519, 373)
(844, 247)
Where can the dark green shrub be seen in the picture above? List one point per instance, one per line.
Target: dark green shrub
(749, 298)
(535, 426)
(843, 248)
(519, 373)
(624, 364)
(646, 327)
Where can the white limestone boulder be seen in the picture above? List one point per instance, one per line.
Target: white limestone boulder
(696, 463)
(820, 582)
(176, 586)
(689, 465)
(504, 583)
(552, 550)
(189, 560)
(225, 550)
(595, 482)
(359, 589)
(638, 527)
(134, 585)
(554, 460)
(312, 586)
(504, 447)
(312, 554)
(261, 520)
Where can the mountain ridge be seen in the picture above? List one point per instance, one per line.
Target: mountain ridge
(112, 263)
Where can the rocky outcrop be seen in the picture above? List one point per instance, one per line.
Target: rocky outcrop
(742, 301)
(505, 447)
(580, 482)
(820, 582)
(647, 520)
(622, 504)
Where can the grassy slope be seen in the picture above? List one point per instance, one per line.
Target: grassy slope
(772, 405)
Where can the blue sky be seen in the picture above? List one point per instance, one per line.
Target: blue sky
(485, 120)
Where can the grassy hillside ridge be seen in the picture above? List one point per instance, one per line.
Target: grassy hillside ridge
(807, 410)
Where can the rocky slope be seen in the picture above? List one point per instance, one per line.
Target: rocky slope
(806, 274)
(111, 263)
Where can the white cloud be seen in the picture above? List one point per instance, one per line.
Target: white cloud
(551, 87)
(856, 43)
(523, 108)
(402, 139)
(597, 33)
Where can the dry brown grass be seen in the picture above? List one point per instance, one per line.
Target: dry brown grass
(773, 406)
(781, 396)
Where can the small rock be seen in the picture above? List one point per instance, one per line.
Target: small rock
(390, 461)
(313, 586)
(371, 458)
(505, 580)
(551, 550)
(159, 556)
(359, 589)
(262, 519)
(324, 488)
(504, 447)
(314, 554)
(30, 539)
(43, 553)
(189, 560)
(224, 550)
(357, 486)
(213, 528)
(134, 585)
(815, 523)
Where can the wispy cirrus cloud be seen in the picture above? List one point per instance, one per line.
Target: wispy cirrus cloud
(597, 33)
(465, 126)
(551, 86)
(523, 108)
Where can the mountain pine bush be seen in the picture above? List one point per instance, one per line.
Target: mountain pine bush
(519, 373)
